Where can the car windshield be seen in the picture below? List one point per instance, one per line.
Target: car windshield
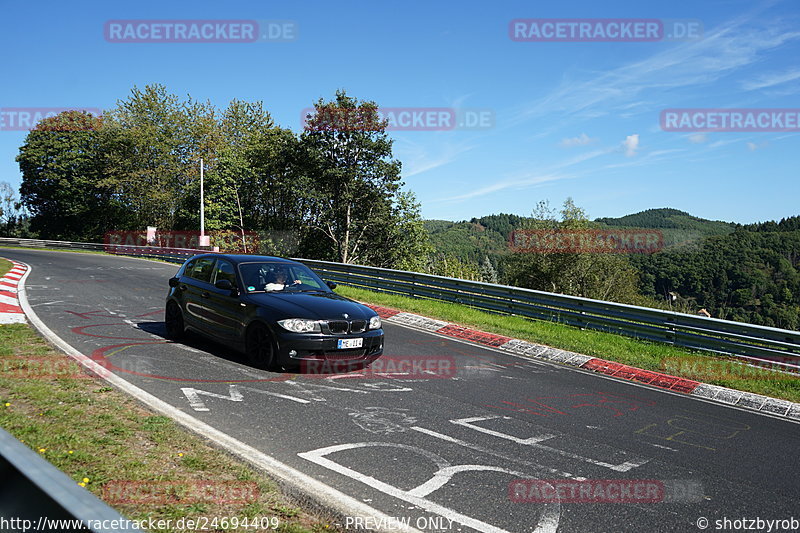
(280, 277)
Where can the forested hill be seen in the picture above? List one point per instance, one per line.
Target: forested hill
(667, 218)
(488, 235)
(748, 273)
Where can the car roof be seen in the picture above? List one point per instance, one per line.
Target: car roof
(247, 258)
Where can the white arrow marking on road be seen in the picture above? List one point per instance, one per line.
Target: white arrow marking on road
(535, 442)
(193, 395)
(234, 395)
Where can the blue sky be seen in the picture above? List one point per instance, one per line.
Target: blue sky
(578, 119)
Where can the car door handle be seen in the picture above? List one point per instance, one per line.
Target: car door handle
(204, 294)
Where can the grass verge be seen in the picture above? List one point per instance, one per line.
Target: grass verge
(653, 356)
(5, 266)
(143, 465)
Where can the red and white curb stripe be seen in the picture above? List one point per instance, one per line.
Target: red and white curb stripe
(10, 310)
(724, 395)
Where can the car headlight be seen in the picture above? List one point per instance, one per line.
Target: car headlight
(300, 325)
(375, 322)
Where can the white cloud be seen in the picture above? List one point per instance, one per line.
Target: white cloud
(753, 146)
(769, 80)
(729, 47)
(698, 138)
(522, 183)
(418, 158)
(631, 144)
(580, 140)
(529, 179)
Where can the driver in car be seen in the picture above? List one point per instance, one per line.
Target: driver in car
(278, 282)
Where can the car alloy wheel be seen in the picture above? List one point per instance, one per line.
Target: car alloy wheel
(173, 319)
(259, 347)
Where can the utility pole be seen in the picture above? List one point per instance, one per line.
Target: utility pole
(204, 241)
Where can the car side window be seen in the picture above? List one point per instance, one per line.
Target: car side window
(305, 279)
(224, 270)
(203, 269)
(187, 268)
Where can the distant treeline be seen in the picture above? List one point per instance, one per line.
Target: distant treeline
(748, 273)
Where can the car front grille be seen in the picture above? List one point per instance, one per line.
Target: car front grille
(339, 327)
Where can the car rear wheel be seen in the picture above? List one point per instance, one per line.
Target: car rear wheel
(173, 319)
(260, 348)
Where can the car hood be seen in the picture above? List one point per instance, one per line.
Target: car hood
(316, 305)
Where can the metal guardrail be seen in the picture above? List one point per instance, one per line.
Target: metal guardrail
(752, 343)
(172, 255)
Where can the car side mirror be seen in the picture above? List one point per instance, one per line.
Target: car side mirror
(173, 282)
(224, 285)
(331, 285)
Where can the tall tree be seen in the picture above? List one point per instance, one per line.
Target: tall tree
(602, 276)
(355, 179)
(65, 181)
(159, 141)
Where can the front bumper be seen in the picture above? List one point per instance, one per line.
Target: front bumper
(296, 348)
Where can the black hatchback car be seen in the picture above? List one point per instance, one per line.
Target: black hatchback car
(277, 311)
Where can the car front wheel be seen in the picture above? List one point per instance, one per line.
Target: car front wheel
(259, 347)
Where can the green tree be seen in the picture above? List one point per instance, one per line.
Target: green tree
(65, 181)
(355, 180)
(158, 143)
(602, 276)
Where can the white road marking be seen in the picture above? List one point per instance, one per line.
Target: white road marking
(488, 451)
(665, 447)
(467, 422)
(196, 403)
(276, 394)
(48, 303)
(548, 522)
(536, 440)
(234, 395)
(444, 475)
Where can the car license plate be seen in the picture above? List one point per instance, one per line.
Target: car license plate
(350, 343)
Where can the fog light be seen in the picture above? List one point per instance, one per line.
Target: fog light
(292, 353)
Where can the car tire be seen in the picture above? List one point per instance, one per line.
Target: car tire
(260, 348)
(173, 320)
